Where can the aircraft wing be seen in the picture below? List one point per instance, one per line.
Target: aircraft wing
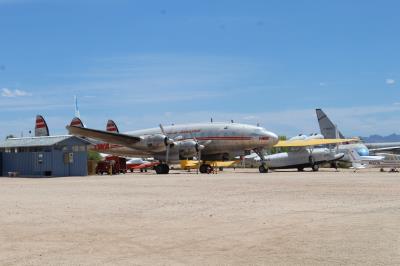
(393, 148)
(109, 137)
(311, 142)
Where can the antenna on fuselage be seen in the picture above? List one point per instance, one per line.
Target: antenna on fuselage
(211, 120)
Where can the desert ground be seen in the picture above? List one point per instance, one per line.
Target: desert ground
(232, 218)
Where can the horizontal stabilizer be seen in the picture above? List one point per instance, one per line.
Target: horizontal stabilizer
(109, 137)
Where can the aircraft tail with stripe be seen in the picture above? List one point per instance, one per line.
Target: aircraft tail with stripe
(41, 128)
(112, 126)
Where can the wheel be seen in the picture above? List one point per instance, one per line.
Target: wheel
(300, 169)
(166, 168)
(263, 169)
(131, 170)
(315, 167)
(203, 169)
(221, 169)
(162, 169)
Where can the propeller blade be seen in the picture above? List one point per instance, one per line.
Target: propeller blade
(167, 155)
(162, 130)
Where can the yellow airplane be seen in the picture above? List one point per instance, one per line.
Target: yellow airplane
(310, 142)
(194, 164)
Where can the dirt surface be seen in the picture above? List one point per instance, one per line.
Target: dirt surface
(240, 217)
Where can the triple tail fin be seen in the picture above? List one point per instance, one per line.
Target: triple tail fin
(41, 128)
(112, 126)
(327, 128)
(76, 122)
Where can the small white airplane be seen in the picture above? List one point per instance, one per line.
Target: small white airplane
(302, 153)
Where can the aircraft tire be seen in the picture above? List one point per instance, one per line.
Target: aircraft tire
(300, 169)
(166, 169)
(263, 169)
(162, 169)
(315, 167)
(205, 169)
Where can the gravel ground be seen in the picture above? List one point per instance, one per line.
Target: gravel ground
(235, 217)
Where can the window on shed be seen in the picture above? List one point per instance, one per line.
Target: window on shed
(75, 148)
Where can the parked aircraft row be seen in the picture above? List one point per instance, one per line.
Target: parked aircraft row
(221, 142)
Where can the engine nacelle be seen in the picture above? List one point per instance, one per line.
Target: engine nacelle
(299, 137)
(315, 136)
(156, 142)
(188, 148)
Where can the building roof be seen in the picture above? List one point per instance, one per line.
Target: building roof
(36, 141)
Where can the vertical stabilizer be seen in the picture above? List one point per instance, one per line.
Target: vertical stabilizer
(77, 113)
(112, 127)
(76, 122)
(41, 128)
(328, 129)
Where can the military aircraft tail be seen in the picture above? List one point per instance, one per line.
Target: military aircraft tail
(328, 129)
(41, 128)
(112, 126)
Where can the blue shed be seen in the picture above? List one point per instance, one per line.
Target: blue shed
(44, 156)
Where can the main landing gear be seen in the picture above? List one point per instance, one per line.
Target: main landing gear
(263, 168)
(314, 166)
(206, 169)
(162, 169)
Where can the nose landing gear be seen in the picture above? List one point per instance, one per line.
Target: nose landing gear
(263, 168)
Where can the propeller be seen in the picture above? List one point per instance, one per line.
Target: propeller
(199, 147)
(168, 142)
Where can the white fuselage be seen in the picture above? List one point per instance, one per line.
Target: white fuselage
(300, 158)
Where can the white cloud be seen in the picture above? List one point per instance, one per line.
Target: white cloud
(5, 92)
(390, 81)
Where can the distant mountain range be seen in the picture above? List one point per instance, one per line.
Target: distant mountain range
(378, 138)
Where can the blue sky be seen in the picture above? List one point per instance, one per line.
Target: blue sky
(148, 62)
